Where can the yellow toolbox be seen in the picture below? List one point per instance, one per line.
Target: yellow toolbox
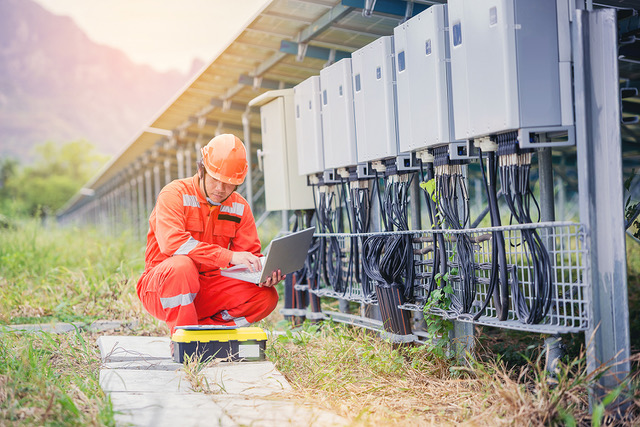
(219, 342)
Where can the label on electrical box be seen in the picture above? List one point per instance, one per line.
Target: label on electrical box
(248, 351)
(457, 34)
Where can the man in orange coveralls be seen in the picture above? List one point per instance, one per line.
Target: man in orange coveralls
(199, 225)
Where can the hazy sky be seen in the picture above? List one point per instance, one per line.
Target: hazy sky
(166, 34)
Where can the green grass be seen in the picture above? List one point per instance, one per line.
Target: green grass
(68, 275)
(60, 275)
(48, 379)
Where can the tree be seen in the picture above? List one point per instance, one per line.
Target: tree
(57, 173)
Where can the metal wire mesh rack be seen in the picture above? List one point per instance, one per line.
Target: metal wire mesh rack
(341, 275)
(565, 243)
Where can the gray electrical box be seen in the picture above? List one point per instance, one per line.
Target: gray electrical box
(285, 188)
(338, 117)
(510, 66)
(375, 100)
(306, 96)
(425, 113)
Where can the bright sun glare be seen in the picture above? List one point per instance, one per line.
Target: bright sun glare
(166, 34)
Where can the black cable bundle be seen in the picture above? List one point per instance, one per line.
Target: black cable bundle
(312, 266)
(389, 293)
(305, 279)
(498, 260)
(296, 288)
(450, 187)
(361, 207)
(439, 249)
(397, 264)
(290, 294)
(330, 221)
(388, 259)
(353, 264)
(515, 166)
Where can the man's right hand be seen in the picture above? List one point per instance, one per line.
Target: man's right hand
(247, 258)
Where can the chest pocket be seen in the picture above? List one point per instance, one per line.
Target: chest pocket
(223, 232)
(225, 229)
(194, 225)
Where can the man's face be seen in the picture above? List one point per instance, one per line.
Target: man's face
(218, 191)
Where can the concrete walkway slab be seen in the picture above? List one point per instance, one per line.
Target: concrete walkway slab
(270, 412)
(148, 389)
(168, 410)
(131, 348)
(247, 378)
(137, 381)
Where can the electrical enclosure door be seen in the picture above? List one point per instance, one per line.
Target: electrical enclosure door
(374, 100)
(504, 65)
(285, 188)
(425, 115)
(338, 117)
(306, 97)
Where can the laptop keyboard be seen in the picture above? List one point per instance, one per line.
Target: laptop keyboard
(245, 274)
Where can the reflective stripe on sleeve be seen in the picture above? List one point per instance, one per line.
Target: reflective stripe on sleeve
(190, 200)
(187, 246)
(182, 299)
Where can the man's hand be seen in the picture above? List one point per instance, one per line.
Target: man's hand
(275, 278)
(252, 262)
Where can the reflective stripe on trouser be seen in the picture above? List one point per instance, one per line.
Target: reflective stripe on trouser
(175, 292)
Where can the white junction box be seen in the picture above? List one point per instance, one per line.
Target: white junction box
(285, 188)
(510, 66)
(375, 100)
(306, 96)
(338, 117)
(425, 113)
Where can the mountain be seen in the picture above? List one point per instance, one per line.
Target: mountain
(58, 85)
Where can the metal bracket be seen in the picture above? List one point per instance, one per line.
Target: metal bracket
(302, 51)
(555, 136)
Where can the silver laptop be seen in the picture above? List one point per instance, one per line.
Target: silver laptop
(287, 254)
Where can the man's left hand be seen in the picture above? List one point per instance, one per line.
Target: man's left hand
(275, 278)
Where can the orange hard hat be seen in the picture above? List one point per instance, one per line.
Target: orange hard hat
(225, 159)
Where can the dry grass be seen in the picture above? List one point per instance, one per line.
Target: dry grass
(372, 383)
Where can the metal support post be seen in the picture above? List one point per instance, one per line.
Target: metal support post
(188, 161)
(140, 220)
(157, 186)
(180, 160)
(599, 157)
(167, 172)
(285, 221)
(149, 198)
(545, 170)
(553, 345)
(414, 197)
(246, 129)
